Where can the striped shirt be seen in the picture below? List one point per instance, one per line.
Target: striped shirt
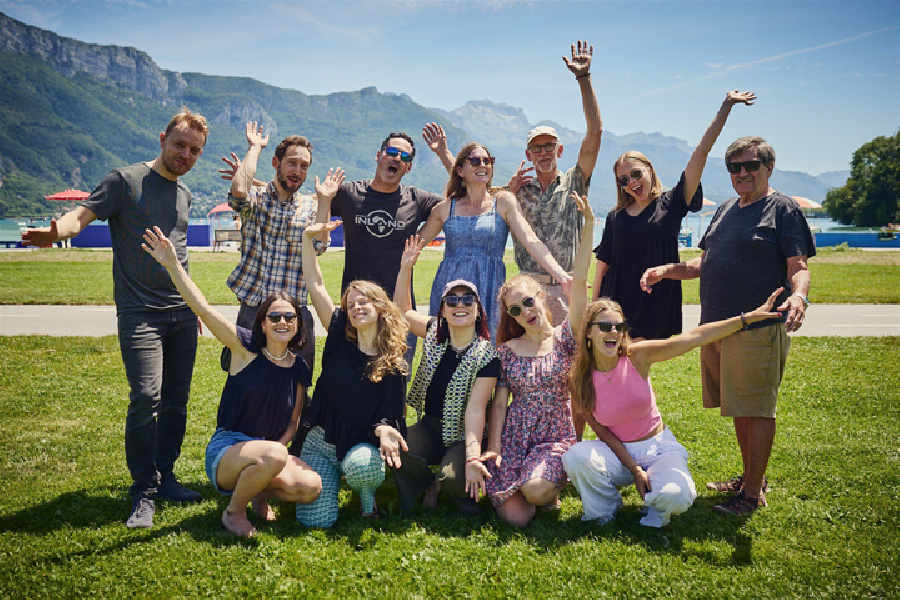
(270, 253)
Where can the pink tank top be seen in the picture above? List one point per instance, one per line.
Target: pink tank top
(624, 402)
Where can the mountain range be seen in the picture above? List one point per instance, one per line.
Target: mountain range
(70, 111)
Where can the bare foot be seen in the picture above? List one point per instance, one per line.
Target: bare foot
(261, 508)
(431, 495)
(238, 523)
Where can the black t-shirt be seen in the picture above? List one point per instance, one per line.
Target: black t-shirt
(376, 227)
(346, 404)
(259, 400)
(745, 256)
(440, 381)
(132, 199)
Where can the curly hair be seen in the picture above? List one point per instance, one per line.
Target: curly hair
(258, 338)
(390, 340)
(581, 384)
(624, 199)
(509, 328)
(456, 187)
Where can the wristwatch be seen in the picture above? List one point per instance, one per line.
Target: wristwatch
(806, 302)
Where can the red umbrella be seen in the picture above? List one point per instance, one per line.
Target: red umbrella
(68, 196)
(220, 208)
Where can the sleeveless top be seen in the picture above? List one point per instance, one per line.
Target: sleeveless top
(624, 402)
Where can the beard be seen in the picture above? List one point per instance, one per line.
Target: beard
(285, 184)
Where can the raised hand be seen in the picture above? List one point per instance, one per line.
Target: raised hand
(584, 207)
(391, 443)
(327, 189)
(233, 165)
(520, 178)
(42, 237)
(435, 138)
(580, 63)
(159, 247)
(255, 135)
(411, 250)
(314, 229)
(736, 97)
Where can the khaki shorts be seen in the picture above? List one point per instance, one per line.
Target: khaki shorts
(742, 372)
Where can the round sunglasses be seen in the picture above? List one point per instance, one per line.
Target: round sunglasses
(624, 179)
(515, 310)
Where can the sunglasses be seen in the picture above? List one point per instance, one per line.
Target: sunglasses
(752, 166)
(453, 300)
(477, 161)
(606, 326)
(624, 179)
(395, 152)
(276, 317)
(548, 147)
(515, 310)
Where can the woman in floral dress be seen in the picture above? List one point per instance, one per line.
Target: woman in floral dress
(526, 440)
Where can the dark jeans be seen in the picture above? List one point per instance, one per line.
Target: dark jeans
(158, 351)
(412, 340)
(247, 315)
(426, 447)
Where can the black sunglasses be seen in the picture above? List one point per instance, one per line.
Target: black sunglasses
(515, 310)
(606, 326)
(624, 179)
(752, 166)
(476, 161)
(275, 317)
(452, 300)
(395, 152)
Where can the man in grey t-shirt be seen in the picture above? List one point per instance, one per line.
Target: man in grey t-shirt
(157, 330)
(755, 244)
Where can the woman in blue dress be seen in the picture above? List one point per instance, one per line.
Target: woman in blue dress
(476, 223)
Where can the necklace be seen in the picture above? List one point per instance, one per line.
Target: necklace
(275, 358)
(461, 351)
(608, 374)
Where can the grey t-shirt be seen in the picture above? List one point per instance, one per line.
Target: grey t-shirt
(132, 199)
(745, 256)
(376, 227)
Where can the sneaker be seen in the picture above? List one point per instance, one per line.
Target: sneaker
(142, 511)
(740, 505)
(171, 489)
(733, 485)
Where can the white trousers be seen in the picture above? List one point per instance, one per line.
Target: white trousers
(597, 474)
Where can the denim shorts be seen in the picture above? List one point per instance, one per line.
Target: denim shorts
(218, 445)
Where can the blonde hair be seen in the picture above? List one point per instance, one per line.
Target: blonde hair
(192, 120)
(456, 187)
(509, 328)
(390, 340)
(624, 199)
(581, 384)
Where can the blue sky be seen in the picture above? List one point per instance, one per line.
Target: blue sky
(827, 73)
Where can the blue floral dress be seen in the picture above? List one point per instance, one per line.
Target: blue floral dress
(474, 252)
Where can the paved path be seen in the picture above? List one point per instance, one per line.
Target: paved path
(843, 320)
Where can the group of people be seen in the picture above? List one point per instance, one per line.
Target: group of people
(566, 361)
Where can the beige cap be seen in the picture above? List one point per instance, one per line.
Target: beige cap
(541, 130)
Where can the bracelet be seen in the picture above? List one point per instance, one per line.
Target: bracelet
(472, 459)
(582, 76)
(743, 322)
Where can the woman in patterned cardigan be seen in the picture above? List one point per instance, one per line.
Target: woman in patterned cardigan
(453, 387)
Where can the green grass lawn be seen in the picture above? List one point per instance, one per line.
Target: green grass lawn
(79, 276)
(830, 529)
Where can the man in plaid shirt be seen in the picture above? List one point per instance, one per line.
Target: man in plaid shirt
(274, 217)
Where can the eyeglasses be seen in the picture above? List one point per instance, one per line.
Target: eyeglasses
(395, 152)
(624, 179)
(515, 310)
(477, 161)
(276, 317)
(606, 326)
(548, 147)
(752, 166)
(452, 300)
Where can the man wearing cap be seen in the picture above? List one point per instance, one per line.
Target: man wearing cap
(545, 197)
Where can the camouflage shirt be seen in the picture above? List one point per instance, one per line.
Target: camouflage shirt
(554, 217)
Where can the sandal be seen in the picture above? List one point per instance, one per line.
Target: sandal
(740, 505)
(733, 485)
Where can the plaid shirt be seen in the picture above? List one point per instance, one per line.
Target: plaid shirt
(270, 252)
(554, 217)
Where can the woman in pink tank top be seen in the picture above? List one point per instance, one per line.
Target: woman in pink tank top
(610, 386)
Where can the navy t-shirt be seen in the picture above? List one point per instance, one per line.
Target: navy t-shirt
(745, 256)
(259, 400)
